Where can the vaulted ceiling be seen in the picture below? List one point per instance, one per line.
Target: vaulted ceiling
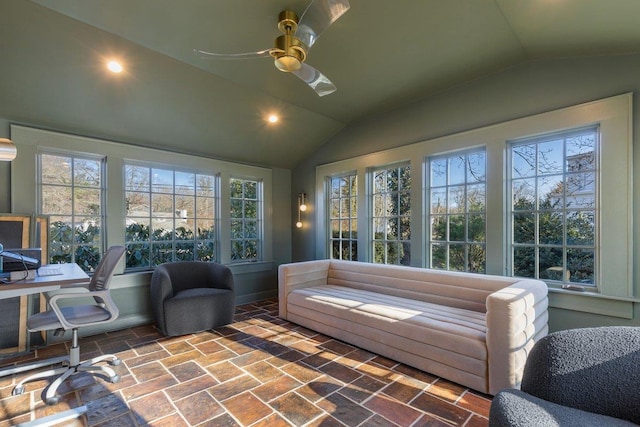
(381, 54)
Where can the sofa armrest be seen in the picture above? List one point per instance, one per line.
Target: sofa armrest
(299, 275)
(517, 317)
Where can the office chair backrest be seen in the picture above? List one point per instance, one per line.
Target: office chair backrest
(104, 272)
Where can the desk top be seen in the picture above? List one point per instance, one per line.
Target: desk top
(71, 274)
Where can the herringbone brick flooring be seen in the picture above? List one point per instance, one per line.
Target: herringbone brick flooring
(259, 371)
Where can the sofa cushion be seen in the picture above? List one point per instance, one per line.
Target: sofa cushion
(449, 328)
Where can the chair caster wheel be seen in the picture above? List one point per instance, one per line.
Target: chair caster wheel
(52, 400)
(17, 390)
(115, 362)
(115, 378)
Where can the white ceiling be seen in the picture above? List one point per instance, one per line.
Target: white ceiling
(381, 54)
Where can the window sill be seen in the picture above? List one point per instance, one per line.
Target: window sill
(592, 302)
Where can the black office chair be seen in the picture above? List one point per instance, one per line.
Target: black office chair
(73, 317)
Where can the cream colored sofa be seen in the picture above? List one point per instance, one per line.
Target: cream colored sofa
(473, 329)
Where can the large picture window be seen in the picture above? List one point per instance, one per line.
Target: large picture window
(71, 194)
(391, 203)
(343, 216)
(458, 212)
(245, 217)
(170, 216)
(554, 206)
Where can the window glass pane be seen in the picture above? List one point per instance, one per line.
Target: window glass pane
(391, 207)
(185, 183)
(86, 172)
(560, 228)
(70, 192)
(86, 202)
(342, 202)
(56, 200)
(161, 181)
(55, 169)
(523, 161)
(166, 220)
(458, 208)
(457, 170)
(550, 157)
(245, 223)
(438, 173)
(137, 178)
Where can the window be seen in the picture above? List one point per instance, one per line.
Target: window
(71, 193)
(245, 214)
(391, 202)
(343, 216)
(458, 212)
(554, 207)
(170, 216)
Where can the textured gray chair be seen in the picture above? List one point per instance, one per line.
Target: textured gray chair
(192, 296)
(578, 377)
(61, 318)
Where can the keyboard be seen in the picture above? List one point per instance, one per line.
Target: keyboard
(49, 271)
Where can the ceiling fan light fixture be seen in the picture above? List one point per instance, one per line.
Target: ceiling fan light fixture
(288, 63)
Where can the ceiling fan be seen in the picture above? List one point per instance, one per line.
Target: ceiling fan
(291, 48)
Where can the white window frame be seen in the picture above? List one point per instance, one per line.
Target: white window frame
(466, 243)
(351, 218)
(72, 185)
(175, 217)
(260, 215)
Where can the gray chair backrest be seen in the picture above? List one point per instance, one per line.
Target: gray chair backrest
(104, 272)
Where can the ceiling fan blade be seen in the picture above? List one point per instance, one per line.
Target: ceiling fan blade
(248, 55)
(317, 18)
(315, 79)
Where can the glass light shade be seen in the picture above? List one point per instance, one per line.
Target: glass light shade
(8, 150)
(299, 224)
(288, 63)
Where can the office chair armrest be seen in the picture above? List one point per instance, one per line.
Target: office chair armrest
(101, 298)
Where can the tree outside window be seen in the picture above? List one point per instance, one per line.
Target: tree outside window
(554, 207)
(391, 203)
(170, 216)
(245, 213)
(71, 195)
(458, 212)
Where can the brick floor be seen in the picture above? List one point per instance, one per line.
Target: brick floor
(259, 371)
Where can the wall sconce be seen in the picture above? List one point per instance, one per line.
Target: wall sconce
(8, 150)
(301, 208)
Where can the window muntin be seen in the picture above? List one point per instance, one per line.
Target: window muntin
(245, 216)
(170, 216)
(554, 207)
(457, 197)
(391, 204)
(71, 194)
(343, 217)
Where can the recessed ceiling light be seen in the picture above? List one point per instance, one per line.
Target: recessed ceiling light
(273, 118)
(114, 66)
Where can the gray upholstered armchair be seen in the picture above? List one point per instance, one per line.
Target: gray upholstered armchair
(578, 377)
(192, 296)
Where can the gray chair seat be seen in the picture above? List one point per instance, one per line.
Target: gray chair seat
(192, 296)
(79, 315)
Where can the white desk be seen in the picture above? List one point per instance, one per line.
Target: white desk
(71, 274)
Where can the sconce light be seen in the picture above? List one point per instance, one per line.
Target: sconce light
(301, 204)
(8, 150)
(301, 208)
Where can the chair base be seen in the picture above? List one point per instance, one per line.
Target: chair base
(71, 366)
